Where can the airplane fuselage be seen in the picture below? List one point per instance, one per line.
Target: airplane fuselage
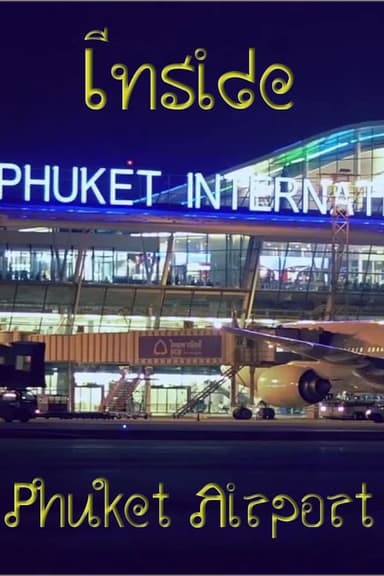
(364, 338)
(331, 355)
(360, 337)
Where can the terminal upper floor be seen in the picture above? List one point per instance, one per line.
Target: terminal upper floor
(55, 281)
(191, 261)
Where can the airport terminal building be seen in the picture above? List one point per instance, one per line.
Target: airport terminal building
(296, 234)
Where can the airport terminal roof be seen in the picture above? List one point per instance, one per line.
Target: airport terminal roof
(316, 151)
(321, 145)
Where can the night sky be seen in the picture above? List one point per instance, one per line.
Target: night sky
(335, 51)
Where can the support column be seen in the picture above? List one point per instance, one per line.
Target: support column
(149, 317)
(78, 279)
(251, 275)
(146, 266)
(148, 372)
(164, 277)
(339, 248)
(233, 396)
(168, 259)
(71, 387)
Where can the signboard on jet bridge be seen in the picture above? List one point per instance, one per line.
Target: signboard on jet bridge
(180, 349)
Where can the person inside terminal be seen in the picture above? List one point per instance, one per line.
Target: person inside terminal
(294, 235)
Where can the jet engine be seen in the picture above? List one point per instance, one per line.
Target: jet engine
(291, 385)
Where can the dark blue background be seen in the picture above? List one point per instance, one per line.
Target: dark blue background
(334, 50)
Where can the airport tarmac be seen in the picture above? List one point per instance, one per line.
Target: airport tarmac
(191, 428)
(68, 464)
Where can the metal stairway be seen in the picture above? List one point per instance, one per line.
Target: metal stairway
(120, 395)
(211, 387)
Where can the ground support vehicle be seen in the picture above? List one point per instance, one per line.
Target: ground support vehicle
(18, 405)
(345, 409)
(375, 413)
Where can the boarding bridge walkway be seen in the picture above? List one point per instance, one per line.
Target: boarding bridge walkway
(211, 387)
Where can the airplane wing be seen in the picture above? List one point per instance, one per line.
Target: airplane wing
(313, 350)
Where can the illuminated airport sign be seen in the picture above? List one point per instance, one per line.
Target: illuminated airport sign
(124, 188)
(191, 349)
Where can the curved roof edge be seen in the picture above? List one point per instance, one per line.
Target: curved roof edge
(306, 141)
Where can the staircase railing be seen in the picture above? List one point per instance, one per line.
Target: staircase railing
(202, 394)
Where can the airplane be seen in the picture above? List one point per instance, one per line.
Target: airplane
(339, 356)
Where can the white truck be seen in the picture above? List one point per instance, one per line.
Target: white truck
(375, 413)
(345, 409)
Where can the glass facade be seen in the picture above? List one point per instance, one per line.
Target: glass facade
(292, 279)
(58, 280)
(293, 229)
(197, 260)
